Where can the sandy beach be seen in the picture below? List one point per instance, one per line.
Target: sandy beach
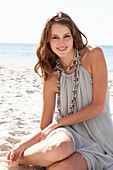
(21, 106)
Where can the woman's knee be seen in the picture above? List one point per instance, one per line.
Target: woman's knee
(54, 151)
(58, 151)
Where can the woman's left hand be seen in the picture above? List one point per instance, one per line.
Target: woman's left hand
(45, 132)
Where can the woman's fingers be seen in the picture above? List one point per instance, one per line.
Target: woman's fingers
(11, 159)
(8, 155)
(12, 155)
(43, 136)
(11, 163)
(8, 161)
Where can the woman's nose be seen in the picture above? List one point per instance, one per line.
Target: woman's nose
(61, 41)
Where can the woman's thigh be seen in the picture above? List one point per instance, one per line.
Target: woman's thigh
(74, 162)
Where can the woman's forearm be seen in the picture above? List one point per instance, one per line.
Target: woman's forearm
(31, 141)
(84, 114)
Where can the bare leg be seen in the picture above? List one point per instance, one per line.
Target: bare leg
(74, 162)
(49, 151)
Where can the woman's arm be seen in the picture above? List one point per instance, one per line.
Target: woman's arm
(49, 100)
(99, 73)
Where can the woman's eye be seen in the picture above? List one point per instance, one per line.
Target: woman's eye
(67, 36)
(54, 37)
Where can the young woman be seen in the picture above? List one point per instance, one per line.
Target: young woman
(81, 138)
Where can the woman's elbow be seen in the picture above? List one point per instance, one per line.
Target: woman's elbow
(100, 107)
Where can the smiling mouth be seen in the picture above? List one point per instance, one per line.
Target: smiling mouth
(62, 48)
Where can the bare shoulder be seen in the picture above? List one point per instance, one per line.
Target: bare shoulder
(97, 62)
(93, 58)
(90, 57)
(51, 82)
(96, 55)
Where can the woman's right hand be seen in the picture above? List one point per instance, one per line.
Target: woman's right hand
(14, 156)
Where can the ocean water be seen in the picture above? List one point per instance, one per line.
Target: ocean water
(108, 53)
(22, 54)
(25, 54)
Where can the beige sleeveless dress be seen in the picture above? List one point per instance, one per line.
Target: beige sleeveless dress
(93, 138)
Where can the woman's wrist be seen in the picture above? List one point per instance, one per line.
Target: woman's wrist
(56, 124)
(21, 146)
(31, 140)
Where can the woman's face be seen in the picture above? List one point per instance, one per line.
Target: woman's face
(61, 40)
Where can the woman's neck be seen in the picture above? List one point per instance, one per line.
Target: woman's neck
(66, 61)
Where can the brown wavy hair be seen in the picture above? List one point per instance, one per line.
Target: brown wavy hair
(46, 57)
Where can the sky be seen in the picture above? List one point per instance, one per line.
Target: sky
(22, 21)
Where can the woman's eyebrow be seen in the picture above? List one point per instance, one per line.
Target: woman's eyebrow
(68, 33)
(54, 35)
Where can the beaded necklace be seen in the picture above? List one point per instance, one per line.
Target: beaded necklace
(77, 63)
